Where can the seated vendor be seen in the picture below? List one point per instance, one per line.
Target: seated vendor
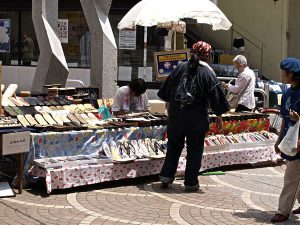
(131, 98)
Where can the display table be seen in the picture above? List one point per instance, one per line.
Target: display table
(54, 144)
(90, 174)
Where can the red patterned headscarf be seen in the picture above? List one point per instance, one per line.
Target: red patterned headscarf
(202, 49)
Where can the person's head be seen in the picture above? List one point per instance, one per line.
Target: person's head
(240, 62)
(290, 71)
(137, 87)
(202, 50)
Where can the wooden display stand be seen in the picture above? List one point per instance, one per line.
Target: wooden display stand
(14, 143)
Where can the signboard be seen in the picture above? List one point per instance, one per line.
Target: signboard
(63, 29)
(4, 35)
(127, 39)
(165, 62)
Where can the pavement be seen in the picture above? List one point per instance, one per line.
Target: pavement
(244, 195)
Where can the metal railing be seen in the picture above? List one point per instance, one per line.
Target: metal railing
(252, 39)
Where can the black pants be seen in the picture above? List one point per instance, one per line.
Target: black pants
(195, 145)
(241, 108)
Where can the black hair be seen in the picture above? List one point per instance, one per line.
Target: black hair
(193, 63)
(138, 86)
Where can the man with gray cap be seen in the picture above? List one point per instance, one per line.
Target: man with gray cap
(244, 85)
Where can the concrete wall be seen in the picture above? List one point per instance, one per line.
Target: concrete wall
(294, 31)
(23, 76)
(261, 21)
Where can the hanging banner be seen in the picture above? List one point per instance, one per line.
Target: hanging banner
(63, 29)
(127, 39)
(165, 62)
(5, 35)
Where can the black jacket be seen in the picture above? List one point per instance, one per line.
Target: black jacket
(193, 116)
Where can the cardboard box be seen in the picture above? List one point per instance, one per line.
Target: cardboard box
(157, 106)
(226, 59)
(13, 143)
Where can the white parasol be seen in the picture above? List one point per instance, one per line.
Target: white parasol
(149, 13)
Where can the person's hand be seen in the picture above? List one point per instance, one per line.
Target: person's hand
(277, 150)
(226, 86)
(219, 122)
(294, 115)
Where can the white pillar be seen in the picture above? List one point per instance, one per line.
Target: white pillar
(103, 46)
(52, 66)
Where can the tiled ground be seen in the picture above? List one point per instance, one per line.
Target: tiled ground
(241, 196)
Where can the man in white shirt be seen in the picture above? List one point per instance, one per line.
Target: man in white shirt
(244, 85)
(131, 98)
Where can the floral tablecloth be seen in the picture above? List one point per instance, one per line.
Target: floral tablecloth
(90, 174)
(88, 142)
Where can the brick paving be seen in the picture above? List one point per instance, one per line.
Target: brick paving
(241, 196)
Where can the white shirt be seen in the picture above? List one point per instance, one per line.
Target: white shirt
(245, 84)
(124, 102)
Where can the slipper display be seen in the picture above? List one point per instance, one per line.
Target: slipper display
(49, 119)
(47, 109)
(15, 101)
(79, 117)
(59, 107)
(153, 150)
(33, 101)
(51, 100)
(117, 156)
(64, 118)
(43, 101)
(8, 122)
(10, 111)
(40, 119)
(10, 90)
(81, 107)
(143, 148)
(86, 118)
(39, 109)
(73, 119)
(20, 99)
(59, 100)
(53, 108)
(23, 120)
(134, 144)
(67, 101)
(31, 120)
(57, 119)
(93, 118)
(7, 102)
(17, 110)
(27, 110)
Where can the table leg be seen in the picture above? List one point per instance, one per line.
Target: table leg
(21, 170)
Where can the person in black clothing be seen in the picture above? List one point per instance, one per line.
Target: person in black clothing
(190, 90)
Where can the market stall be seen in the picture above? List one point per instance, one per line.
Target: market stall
(70, 159)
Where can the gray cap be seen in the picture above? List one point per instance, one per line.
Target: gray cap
(240, 59)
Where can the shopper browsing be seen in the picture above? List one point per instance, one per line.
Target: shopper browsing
(290, 111)
(244, 85)
(131, 98)
(190, 89)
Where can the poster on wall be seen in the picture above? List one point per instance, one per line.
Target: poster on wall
(165, 62)
(63, 29)
(4, 35)
(127, 39)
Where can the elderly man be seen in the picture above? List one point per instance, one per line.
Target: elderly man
(244, 85)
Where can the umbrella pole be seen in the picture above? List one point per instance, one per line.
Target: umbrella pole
(175, 40)
(145, 52)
